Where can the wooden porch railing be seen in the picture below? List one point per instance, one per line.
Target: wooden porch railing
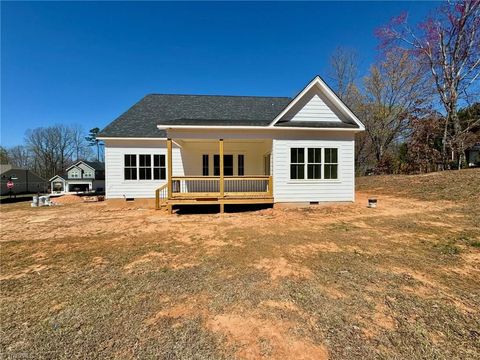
(161, 196)
(211, 187)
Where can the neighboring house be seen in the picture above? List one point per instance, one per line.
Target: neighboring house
(83, 176)
(473, 155)
(24, 181)
(275, 149)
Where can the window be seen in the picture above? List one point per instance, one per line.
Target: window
(159, 170)
(314, 166)
(241, 165)
(297, 163)
(331, 163)
(130, 167)
(145, 167)
(87, 174)
(227, 165)
(74, 174)
(205, 165)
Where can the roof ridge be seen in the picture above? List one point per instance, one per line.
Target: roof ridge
(218, 95)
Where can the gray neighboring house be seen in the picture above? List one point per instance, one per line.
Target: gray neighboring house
(83, 176)
(24, 180)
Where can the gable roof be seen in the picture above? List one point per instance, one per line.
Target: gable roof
(152, 115)
(350, 120)
(95, 165)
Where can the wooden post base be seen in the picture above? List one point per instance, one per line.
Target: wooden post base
(222, 208)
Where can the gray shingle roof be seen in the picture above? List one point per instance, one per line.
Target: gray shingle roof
(141, 119)
(97, 165)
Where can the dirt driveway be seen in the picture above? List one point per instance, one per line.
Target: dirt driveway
(336, 281)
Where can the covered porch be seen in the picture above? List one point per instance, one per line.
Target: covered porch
(217, 172)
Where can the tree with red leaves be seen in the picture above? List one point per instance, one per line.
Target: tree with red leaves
(447, 45)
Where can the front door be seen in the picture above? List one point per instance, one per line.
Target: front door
(227, 165)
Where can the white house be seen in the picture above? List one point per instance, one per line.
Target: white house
(275, 149)
(83, 176)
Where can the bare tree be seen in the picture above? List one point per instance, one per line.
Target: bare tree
(344, 71)
(447, 45)
(20, 156)
(395, 92)
(53, 148)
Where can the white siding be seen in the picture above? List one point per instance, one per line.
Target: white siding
(286, 190)
(115, 184)
(187, 160)
(314, 106)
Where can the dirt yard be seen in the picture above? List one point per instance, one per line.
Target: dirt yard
(111, 280)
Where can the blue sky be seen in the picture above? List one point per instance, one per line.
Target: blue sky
(86, 63)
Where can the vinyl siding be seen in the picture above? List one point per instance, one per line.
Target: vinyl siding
(313, 107)
(115, 184)
(287, 190)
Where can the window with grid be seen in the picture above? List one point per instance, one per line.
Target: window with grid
(144, 167)
(159, 167)
(130, 167)
(314, 164)
(297, 163)
(331, 163)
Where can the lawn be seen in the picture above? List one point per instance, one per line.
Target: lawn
(120, 280)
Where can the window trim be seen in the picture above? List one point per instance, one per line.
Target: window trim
(152, 168)
(322, 180)
(130, 167)
(160, 167)
(145, 167)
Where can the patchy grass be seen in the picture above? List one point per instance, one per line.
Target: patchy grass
(101, 280)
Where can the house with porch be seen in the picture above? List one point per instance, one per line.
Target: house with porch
(208, 149)
(81, 177)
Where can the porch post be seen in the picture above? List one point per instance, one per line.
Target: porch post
(169, 167)
(220, 141)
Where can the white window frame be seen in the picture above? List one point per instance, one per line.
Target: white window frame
(322, 180)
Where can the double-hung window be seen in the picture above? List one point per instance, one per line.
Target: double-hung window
(159, 168)
(130, 167)
(331, 163)
(145, 167)
(314, 166)
(297, 163)
(311, 166)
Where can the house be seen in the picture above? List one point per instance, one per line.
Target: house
(83, 176)
(24, 180)
(204, 149)
(472, 155)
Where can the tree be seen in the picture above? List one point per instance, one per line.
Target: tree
(20, 156)
(447, 45)
(395, 92)
(344, 71)
(424, 144)
(3, 155)
(53, 149)
(93, 141)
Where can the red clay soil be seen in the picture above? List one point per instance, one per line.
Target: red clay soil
(67, 199)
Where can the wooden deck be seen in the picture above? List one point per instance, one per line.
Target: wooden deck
(209, 190)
